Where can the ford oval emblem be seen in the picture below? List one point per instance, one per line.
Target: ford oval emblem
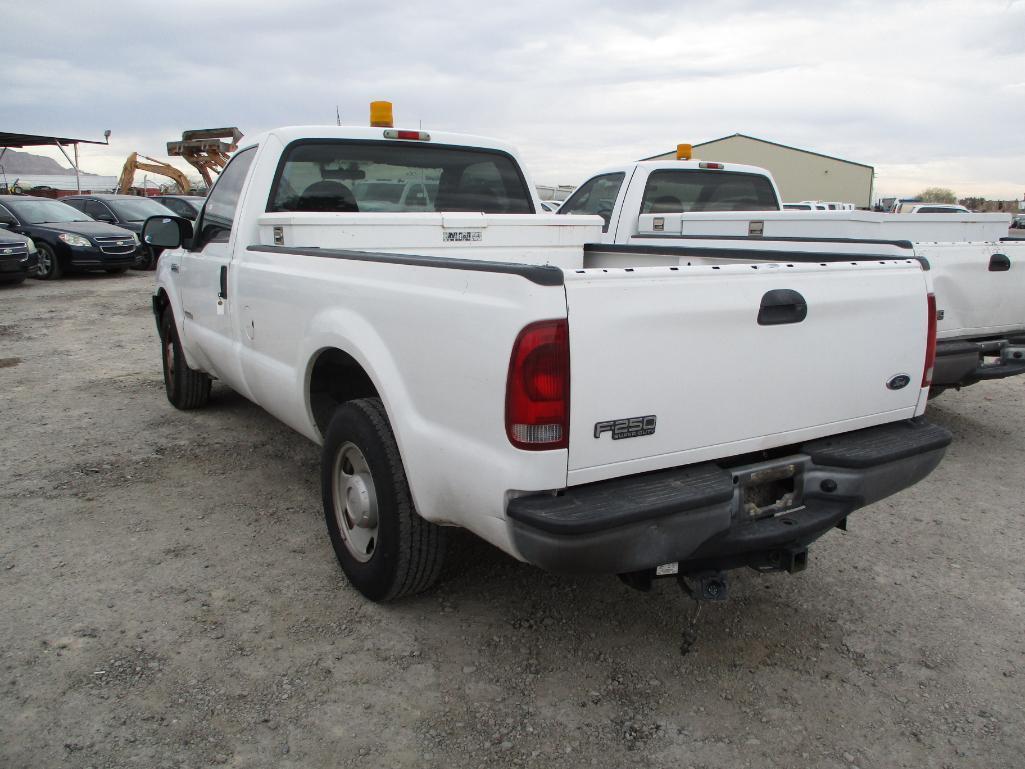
(898, 382)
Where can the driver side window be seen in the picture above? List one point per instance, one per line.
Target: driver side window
(219, 211)
(595, 196)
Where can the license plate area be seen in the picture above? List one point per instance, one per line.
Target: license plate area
(768, 490)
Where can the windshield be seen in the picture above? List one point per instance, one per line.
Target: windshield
(138, 209)
(349, 176)
(31, 211)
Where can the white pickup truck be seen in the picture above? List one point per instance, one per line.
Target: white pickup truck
(461, 367)
(690, 212)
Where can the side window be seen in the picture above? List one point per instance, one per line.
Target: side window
(595, 196)
(6, 217)
(97, 210)
(76, 204)
(178, 206)
(219, 212)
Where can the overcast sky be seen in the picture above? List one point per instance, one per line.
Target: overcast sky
(930, 93)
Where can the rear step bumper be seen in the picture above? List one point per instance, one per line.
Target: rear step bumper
(961, 363)
(702, 515)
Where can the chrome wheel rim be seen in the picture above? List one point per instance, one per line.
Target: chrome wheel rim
(355, 502)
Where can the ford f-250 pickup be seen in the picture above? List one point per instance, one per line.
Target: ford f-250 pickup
(461, 367)
(706, 212)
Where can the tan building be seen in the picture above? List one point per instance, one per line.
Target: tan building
(800, 174)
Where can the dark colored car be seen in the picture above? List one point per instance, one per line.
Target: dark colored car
(128, 211)
(185, 206)
(66, 238)
(18, 257)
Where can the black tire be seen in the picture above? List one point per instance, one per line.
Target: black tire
(936, 392)
(144, 260)
(407, 552)
(49, 265)
(186, 388)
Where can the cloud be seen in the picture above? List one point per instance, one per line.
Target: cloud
(928, 92)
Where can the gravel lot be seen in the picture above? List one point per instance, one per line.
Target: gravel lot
(169, 598)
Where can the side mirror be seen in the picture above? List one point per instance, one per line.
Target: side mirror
(166, 231)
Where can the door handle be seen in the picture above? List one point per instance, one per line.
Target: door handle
(999, 263)
(780, 306)
(223, 293)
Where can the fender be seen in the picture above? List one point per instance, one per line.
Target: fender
(166, 285)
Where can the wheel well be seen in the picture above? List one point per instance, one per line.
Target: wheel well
(336, 378)
(160, 303)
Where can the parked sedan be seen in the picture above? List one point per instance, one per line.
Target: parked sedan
(18, 256)
(66, 238)
(186, 206)
(128, 211)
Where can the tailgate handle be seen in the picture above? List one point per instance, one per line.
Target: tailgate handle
(999, 263)
(782, 305)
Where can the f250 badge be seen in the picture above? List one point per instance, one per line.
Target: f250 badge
(462, 236)
(632, 427)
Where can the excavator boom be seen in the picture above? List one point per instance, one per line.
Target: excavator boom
(154, 166)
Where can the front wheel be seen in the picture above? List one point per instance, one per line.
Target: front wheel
(144, 259)
(49, 265)
(186, 388)
(383, 545)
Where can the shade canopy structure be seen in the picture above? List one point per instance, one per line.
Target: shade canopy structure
(8, 139)
(33, 140)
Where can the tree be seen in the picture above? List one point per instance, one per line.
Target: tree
(937, 195)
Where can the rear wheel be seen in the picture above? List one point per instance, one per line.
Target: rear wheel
(186, 388)
(49, 266)
(383, 545)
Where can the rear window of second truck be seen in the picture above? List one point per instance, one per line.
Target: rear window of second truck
(671, 191)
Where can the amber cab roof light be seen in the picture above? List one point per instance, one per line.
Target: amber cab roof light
(381, 114)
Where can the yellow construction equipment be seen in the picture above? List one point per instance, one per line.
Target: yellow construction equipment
(204, 149)
(154, 166)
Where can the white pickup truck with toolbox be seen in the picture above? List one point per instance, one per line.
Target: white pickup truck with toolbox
(460, 366)
(691, 212)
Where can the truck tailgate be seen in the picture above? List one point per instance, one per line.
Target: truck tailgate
(690, 349)
(980, 287)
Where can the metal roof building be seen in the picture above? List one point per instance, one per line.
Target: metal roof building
(800, 174)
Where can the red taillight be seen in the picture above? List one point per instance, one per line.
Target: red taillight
(417, 136)
(713, 166)
(537, 390)
(930, 344)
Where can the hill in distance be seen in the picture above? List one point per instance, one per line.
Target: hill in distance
(15, 162)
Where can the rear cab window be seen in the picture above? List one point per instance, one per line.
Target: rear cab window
(343, 176)
(673, 191)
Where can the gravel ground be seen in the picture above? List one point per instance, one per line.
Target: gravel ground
(169, 598)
